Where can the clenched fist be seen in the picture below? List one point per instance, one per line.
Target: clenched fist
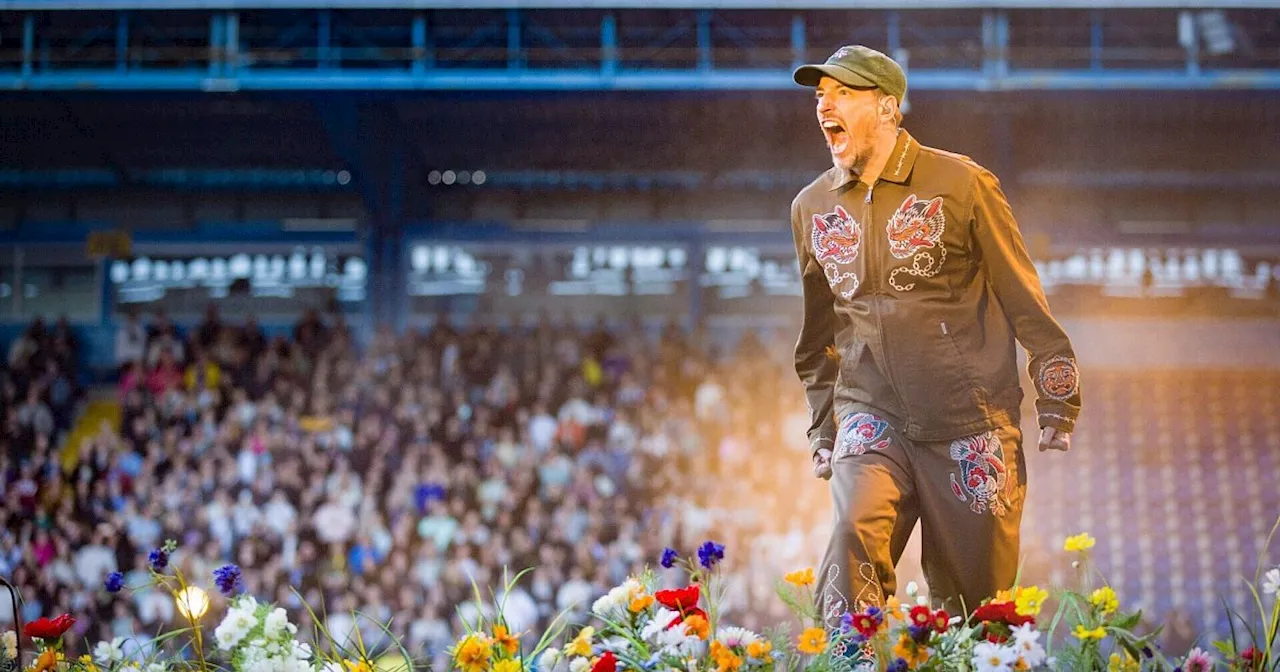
(1054, 439)
(822, 463)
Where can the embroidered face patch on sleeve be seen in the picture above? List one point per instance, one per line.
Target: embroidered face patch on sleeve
(915, 231)
(1058, 378)
(837, 237)
(983, 475)
(859, 433)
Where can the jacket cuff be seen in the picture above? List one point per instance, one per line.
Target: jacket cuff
(819, 442)
(1059, 416)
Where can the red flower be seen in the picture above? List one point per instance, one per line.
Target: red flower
(1006, 613)
(43, 628)
(679, 599)
(920, 615)
(688, 612)
(865, 625)
(607, 663)
(941, 619)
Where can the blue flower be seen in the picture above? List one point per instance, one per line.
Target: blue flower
(846, 622)
(898, 665)
(158, 560)
(669, 557)
(227, 578)
(114, 582)
(710, 553)
(875, 614)
(919, 633)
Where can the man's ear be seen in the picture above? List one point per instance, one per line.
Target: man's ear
(889, 107)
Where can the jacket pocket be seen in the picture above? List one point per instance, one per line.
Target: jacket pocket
(929, 372)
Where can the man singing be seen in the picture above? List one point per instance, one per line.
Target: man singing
(916, 285)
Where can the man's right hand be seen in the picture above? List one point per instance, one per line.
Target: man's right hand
(822, 463)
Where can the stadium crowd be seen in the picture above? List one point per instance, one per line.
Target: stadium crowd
(386, 479)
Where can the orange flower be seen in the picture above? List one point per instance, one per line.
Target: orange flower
(801, 578)
(641, 603)
(505, 640)
(1002, 597)
(697, 625)
(47, 661)
(812, 641)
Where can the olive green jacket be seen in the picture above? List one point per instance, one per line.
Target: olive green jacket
(915, 291)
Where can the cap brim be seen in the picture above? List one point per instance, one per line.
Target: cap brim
(810, 75)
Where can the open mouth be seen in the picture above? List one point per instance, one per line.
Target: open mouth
(837, 136)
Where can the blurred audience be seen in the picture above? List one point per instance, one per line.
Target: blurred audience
(387, 479)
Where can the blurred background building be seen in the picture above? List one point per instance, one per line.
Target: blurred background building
(375, 298)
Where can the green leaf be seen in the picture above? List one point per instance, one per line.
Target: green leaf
(1126, 621)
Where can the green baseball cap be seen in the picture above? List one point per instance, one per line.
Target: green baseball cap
(859, 67)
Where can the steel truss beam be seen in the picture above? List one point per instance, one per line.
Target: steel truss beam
(327, 49)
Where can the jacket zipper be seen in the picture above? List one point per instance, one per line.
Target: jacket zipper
(868, 235)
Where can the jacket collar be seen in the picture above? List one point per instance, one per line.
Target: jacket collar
(898, 169)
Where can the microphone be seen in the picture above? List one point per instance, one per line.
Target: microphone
(17, 618)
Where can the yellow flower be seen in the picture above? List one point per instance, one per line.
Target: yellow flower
(1105, 599)
(356, 666)
(726, 660)
(1002, 597)
(697, 625)
(641, 603)
(801, 578)
(1084, 634)
(812, 641)
(1030, 600)
(760, 649)
(507, 666)
(893, 607)
(581, 645)
(86, 664)
(907, 650)
(471, 654)
(1079, 543)
(505, 640)
(1118, 663)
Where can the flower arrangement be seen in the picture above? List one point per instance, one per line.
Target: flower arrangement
(638, 627)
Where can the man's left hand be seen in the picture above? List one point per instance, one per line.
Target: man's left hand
(1052, 438)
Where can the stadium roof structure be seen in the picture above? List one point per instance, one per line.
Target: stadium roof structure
(36, 5)
(423, 45)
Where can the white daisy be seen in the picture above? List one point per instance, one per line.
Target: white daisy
(991, 657)
(1026, 642)
(735, 637)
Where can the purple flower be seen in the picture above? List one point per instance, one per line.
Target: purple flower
(710, 553)
(227, 578)
(158, 560)
(919, 633)
(114, 582)
(669, 557)
(898, 665)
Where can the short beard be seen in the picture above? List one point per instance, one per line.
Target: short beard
(853, 165)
